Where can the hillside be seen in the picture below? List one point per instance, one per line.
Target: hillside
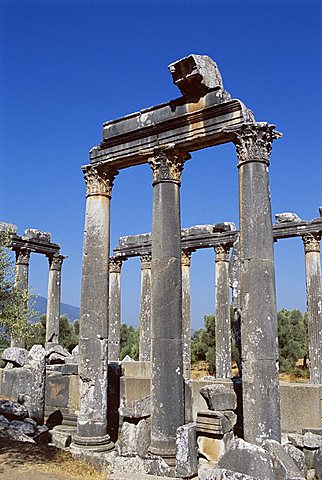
(70, 311)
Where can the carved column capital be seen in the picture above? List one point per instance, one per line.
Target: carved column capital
(254, 142)
(99, 180)
(222, 252)
(186, 258)
(146, 261)
(56, 261)
(115, 264)
(311, 242)
(22, 256)
(167, 164)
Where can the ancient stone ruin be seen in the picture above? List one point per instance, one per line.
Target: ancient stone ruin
(161, 421)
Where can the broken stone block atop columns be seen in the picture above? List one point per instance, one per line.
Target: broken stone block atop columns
(186, 451)
(216, 423)
(214, 447)
(220, 396)
(224, 227)
(34, 234)
(286, 217)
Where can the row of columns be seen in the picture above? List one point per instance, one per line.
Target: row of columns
(53, 297)
(261, 397)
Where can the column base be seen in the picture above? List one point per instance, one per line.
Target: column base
(168, 456)
(94, 444)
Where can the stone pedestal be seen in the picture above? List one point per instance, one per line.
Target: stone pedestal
(223, 328)
(114, 327)
(167, 384)
(186, 335)
(145, 310)
(314, 304)
(93, 347)
(21, 283)
(53, 300)
(261, 397)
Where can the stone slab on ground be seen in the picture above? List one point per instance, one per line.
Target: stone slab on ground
(140, 476)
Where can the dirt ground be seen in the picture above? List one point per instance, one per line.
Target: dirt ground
(27, 461)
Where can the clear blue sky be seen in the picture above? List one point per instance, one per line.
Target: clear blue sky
(68, 66)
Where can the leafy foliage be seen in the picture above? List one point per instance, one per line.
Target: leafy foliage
(68, 338)
(292, 338)
(129, 341)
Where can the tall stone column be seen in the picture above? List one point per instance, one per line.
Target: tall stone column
(145, 310)
(186, 329)
(93, 339)
(314, 304)
(53, 300)
(223, 327)
(21, 283)
(261, 397)
(167, 393)
(114, 327)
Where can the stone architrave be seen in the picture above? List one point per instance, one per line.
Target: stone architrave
(186, 335)
(21, 283)
(167, 392)
(261, 396)
(314, 304)
(93, 342)
(145, 310)
(114, 327)
(53, 300)
(223, 328)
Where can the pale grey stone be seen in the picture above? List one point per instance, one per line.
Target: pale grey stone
(220, 396)
(31, 421)
(56, 359)
(249, 459)
(33, 234)
(12, 433)
(61, 435)
(3, 421)
(311, 474)
(318, 463)
(12, 410)
(186, 451)
(137, 409)
(149, 464)
(310, 440)
(206, 472)
(296, 439)
(58, 349)
(283, 465)
(127, 358)
(23, 427)
(135, 438)
(297, 456)
(286, 217)
(15, 355)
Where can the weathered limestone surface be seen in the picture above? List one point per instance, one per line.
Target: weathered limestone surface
(220, 396)
(114, 327)
(145, 310)
(34, 234)
(213, 448)
(223, 329)
(21, 283)
(186, 451)
(287, 217)
(167, 392)
(15, 355)
(283, 465)
(186, 329)
(261, 401)
(93, 346)
(314, 304)
(53, 300)
(135, 437)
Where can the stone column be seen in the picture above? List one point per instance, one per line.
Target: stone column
(53, 300)
(93, 350)
(167, 392)
(261, 397)
(114, 327)
(223, 328)
(21, 283)
(186, 330)
(145, 310)
(314, 304)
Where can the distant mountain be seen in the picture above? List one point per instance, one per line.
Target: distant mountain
(40, 306)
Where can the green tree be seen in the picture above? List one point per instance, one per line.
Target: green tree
(68, 338)
(129, 341)
(292, 338)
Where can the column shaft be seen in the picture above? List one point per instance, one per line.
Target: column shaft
(93, 338)
(114, 329)
(53, 301)
(186, 328)
(21, 284)
(145, 310)
(261, 398)
(314, 305)
(167, 393)
(223, 326)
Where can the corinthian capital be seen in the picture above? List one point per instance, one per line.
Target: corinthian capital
(222, 252)
(167, 164)
(56, 262)
(254, 142)
(22, 257)
(311, 242)
(99, 180)
(146, 261)
(115, 264)
(186, 258)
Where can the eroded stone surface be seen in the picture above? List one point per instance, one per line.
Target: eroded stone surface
(297, 456)
(137, 409)
(318, 463)
(214, 448)
(206, 472)
(135, 438)
(150, 464)
(12, 410)
(34, 234)
(220, 396)
(186, 451)
(15, 355)
(286, 217)
(283, 465)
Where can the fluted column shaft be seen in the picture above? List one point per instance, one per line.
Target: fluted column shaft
(21, 283)
(145, 310)
(53, 300)
(261, 398)
(167, 393)
(93, 339)
(114, 327)
(314, 304)
(222, 325)
(186, 328)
